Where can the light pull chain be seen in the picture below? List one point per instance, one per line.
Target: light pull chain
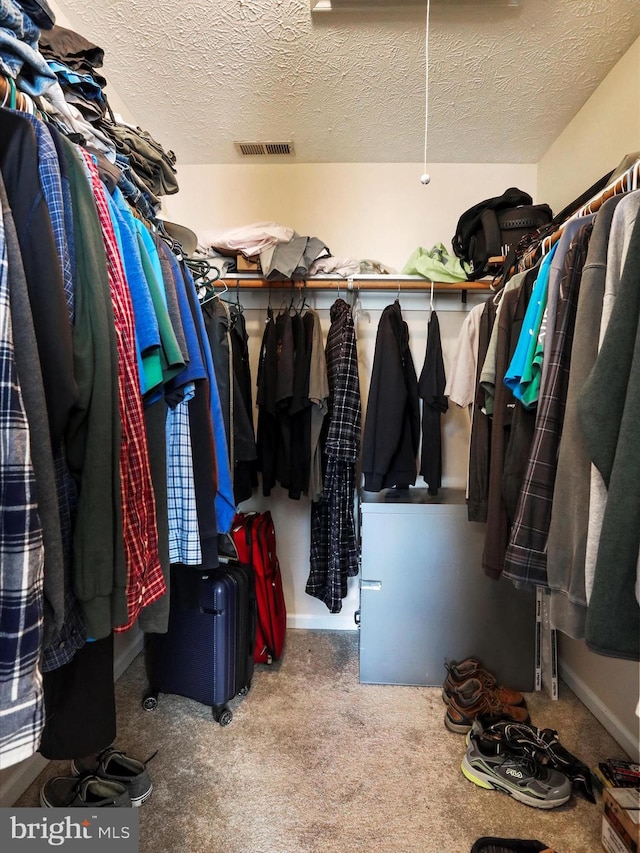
(426, 177)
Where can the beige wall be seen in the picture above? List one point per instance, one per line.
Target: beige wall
(595, 141)
(366, 210)
(602, 133)
(73, 22)
(378, 211)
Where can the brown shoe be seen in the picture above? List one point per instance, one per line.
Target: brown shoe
(459, 673)
(472, 699)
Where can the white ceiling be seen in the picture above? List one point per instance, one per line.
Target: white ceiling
(349, 86)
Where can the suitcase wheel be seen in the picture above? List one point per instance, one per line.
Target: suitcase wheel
(224, 717)
(150, 702)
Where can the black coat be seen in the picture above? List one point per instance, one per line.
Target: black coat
(392, 426)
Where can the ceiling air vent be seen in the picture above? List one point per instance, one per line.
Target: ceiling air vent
(253, 149)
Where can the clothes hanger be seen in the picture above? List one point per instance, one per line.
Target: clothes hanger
(627, 182)
(303, 300)
(209, 291)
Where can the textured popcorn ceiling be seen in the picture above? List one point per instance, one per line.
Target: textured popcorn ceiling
(349, 86)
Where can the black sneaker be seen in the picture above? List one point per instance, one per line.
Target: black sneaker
(115, 766)
(489, 844)
(490, 764)
(62, 792)
(543, 746)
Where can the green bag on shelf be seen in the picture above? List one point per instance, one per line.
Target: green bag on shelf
(435, 264)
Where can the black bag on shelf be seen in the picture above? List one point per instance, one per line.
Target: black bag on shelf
(495, 226)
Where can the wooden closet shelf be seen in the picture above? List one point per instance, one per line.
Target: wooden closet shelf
(360, 282)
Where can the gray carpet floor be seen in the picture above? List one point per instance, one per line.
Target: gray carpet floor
(315, 762)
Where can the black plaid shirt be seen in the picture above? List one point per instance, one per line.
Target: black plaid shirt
(334, 552)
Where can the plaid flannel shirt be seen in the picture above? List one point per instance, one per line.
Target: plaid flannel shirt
(334, 551)
(145, 579)
(21, 558)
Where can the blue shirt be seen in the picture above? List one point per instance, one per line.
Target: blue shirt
(225, 501)
(519, 374)
(146, 324)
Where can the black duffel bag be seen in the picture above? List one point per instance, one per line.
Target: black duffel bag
(494, 227)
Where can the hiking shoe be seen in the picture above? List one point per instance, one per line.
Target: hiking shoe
(471, 700)
(459, 673)
(490, 844)
(542, 745)
(490, 764)
(116, 766)
(62, 792)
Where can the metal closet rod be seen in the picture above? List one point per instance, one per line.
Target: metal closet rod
(357, 282)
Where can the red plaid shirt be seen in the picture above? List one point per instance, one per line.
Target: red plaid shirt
(145, 581)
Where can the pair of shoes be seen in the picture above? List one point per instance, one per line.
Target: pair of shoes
(459, 673)
(490, 762)
(543, 745)
(115, 766)
(86, 792)
(473, 699)
(490, 844)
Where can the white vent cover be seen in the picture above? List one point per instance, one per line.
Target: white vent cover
(261, 149)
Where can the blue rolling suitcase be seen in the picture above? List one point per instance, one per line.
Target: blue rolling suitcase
(207, 652)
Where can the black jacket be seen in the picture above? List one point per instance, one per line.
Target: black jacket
(392, 427)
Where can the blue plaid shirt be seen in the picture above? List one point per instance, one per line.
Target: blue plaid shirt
(21, 558)
(184, 532)
(51, 183)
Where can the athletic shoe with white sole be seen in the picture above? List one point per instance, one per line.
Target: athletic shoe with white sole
(88, 792)
(490, 764)
(543, 745)
(116, 766)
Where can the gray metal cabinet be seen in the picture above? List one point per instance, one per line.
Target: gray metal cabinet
(424, 597)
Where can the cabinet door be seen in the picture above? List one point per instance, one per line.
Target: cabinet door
(425, 599)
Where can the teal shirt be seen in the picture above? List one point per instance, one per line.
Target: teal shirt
(524, 372)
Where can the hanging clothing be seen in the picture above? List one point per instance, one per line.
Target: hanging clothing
(523, 375)
(526, 557)
(431, 387)
(613, 618)
(145, 581)
(245, 477)
(268, 429)
(334, 552)
(300, 407)
(392, 425)
(512, 312)
(22, 555)
(480, 439)
(567, 543)
(319, 399)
